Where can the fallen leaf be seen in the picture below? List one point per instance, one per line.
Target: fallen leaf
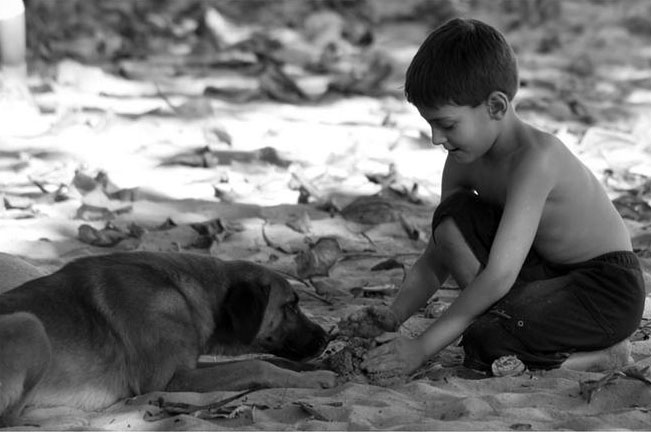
(520, 426)
(413, 232)
(633, 207)
(374, 291)
(108, 236)
(588, 388)
(84, 183)
(300, 224)
(388, 264)
(279, 86)
(371, 210)
(319, 258)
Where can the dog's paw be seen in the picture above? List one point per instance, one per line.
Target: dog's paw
(318, 379)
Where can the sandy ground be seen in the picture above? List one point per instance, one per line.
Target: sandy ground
(334, 145)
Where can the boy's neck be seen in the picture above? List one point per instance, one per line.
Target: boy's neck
(507, 139)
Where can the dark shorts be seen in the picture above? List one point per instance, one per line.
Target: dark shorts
(552, 310)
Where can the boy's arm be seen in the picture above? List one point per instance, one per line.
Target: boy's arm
(428, 273)
(421, 282)
(529, 187)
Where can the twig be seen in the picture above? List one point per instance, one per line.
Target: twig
(318, 297)
(176, 408)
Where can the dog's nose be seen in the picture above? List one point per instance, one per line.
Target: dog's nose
(318, 342)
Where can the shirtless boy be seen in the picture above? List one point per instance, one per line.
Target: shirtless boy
(543, 258)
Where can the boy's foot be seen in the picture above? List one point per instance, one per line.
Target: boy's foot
(614, 357)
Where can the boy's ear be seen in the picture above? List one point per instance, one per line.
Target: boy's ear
(497, 104)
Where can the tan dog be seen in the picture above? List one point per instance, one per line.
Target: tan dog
(109, 327)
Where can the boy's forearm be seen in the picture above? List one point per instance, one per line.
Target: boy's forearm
(474, 300)
(419, 285)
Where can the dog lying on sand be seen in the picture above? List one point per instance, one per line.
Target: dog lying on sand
(109, 327)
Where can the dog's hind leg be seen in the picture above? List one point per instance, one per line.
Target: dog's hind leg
(25, 354)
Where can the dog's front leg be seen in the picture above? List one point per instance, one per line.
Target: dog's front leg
(246, 374)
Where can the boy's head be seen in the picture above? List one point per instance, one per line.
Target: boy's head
(461, 63)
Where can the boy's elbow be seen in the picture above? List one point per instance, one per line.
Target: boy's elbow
(501, 280)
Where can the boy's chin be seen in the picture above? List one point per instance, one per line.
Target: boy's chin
(461, 157)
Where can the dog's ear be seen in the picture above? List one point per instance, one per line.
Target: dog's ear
(242, 312)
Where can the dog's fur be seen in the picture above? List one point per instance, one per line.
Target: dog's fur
(114, 326)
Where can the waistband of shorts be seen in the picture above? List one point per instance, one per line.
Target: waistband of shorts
(622, 258)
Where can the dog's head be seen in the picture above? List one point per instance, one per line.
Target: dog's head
(261, 311)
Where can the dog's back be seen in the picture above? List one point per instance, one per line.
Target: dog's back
(16, 271)
(114, 327)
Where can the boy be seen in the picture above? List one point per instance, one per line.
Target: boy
(544, 260)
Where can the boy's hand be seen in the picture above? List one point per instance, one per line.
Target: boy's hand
(401, 356)
(369, 322)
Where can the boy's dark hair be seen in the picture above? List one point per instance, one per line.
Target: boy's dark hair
(461, 62)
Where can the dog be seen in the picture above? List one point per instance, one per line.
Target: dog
(109, 327)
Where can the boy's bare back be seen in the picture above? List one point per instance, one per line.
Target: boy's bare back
(578, 220)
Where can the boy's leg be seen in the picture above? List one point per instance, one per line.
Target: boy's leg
(463, 228)
(579, 321)
(458, 258)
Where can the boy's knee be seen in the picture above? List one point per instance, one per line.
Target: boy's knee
(447, 235)
(457, 255)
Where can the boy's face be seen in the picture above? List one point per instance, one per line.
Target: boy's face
(467, 133)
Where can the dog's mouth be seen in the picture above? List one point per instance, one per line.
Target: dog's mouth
(301, 353)
(301, 348)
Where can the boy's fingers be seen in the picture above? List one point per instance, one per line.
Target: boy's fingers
(383, 358)
(386, 337)
(383, 364)
(382, 350)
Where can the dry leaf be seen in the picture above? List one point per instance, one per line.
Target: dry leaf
(109, 236)
(319, 258)
(588, 388)
(300, 224)
(278, 86)
(374, 291)
(389, 264)
(371, 210)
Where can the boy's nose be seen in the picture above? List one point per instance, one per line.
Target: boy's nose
(437, 137)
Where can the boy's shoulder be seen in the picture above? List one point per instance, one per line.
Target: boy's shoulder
(535, 154)
(535, 148)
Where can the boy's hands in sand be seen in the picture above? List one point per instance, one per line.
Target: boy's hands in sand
(401, 356)
(369, 322)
